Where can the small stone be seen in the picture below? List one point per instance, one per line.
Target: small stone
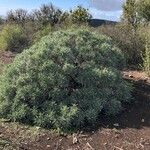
(105, 144)
(60, 140)
(88, 147)
(48, 138)
(26, 143)
(75, 140)
(48, 146)
(83, 135)
(37, 128)
(116, 124)
(143, 120)
(117, 136)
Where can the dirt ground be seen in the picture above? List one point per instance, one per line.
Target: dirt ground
(130, 130)
(7, 57)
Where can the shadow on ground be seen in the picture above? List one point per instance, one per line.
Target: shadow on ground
(137, 114)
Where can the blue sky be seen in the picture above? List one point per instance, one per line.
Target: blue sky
(102, 9)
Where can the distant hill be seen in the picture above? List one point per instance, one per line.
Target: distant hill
(99, 22)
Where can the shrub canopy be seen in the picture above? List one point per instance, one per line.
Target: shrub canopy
(64, 81)
(12, 38)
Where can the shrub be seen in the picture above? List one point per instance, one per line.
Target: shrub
(1, 67)
(145, 34)
(1, 20)
(65, 20)
(64, 81)
(80, 15)
(147, 58)
(19, 16)
(143, 7)
(130, 42)
(12, 38)
(42, 32)
(47, 14)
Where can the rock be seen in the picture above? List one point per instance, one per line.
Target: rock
(83, 136)
(117, 148)
(75, 140)
(38, 128)
(88, 147)
(48, 138)
(117, 136)
(116, 124)
(143, 120)
(48, 146)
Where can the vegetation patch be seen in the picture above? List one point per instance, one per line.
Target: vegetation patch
(64, 81)
(12, 38)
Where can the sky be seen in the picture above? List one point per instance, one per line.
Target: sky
(101, 9)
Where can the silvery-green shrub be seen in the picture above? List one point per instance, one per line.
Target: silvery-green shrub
(64, 81)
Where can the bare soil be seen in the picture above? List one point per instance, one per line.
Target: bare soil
(129, 130)
(7, 57)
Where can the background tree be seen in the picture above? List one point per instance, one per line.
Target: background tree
(80, 15)
(48, 14)
(1, 20)
(18, 16)
(130, 13)
(143, 9)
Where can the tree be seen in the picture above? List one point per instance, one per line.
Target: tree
(130, 13)
(143, 9)
(47, 14)
(1, 20)
(18, 16)
(80, 15)
(136, 11)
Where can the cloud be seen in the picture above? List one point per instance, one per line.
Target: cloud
(108, 15)
(107, 5)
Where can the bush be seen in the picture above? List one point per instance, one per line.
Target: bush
(1, 20)
(130, 42)
(145, 35)
(47, 15)
(12, 38)
(42, 32)
(18, 16)
(147, 58)
(80, 15)
(1, 67)
(143, 7)
(64, 81)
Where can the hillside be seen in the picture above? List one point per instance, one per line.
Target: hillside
(99, 22)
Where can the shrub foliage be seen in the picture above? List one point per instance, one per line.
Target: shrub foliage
(80, 15)
(128, 40)
(147, 58)
(145, 33)
(64, 81)
(12, 38)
